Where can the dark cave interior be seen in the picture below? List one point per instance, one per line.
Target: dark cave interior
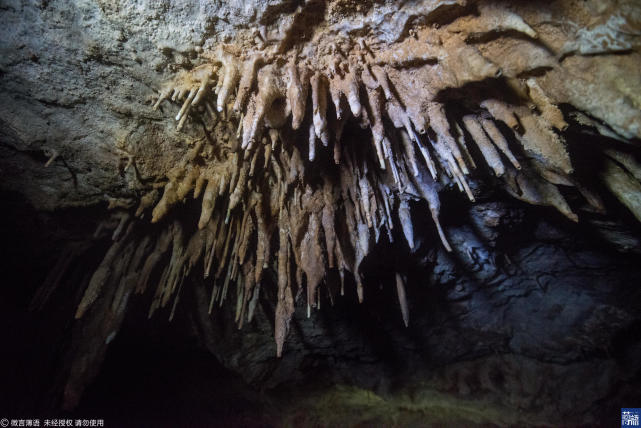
(500, 315)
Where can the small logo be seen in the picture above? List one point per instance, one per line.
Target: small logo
(4, 422)
(630, 417)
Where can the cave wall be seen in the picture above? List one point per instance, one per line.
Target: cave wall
(530, 318)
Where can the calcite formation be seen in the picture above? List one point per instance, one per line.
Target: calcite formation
(321, 128)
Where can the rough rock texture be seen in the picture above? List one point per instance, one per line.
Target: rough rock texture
(317, 138)
(75, 78)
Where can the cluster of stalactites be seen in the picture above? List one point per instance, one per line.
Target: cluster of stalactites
(248, 205)
(275, 112)
(276, 93)
(416, 149)
(409, 164)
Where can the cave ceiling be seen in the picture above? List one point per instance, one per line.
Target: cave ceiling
(277, 143)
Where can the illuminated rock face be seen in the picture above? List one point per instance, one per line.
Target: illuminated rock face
(458, 89)
(313, 131)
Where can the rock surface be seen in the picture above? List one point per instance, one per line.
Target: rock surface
(530, 319)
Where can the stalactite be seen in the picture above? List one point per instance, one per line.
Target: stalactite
(99, 278)
(487, 149)
(402, 299)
